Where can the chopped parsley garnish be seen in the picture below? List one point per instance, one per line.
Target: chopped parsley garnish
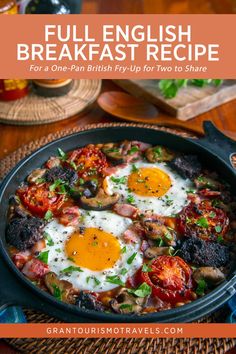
(95, 280)
(218, 228)
(114, 149)
(126, 307)
(133, 150)
(114, 279)
(146, 268)
(220, 239)
(123, 271)
(131, 258)
(168, 201)
(61, 154)
(40, 180)
(55, 185)
(201, 287)
(212, 214)
(142, 291)
(134, 168)
(58, 250)
(123, 250)
(57, 292)
(118, 180)
(81, 181)
(159, 242)
(69, 258)
(190, 191)
(71, 269)
(50, 242)
(202, 222)
(168, 235)
(73, 165)
(48, 215)
(43, 257)
(130, 199)
(157, 151)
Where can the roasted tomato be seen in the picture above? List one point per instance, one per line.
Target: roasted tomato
(87, 161)
(203, 220)
(170, 279)
(38, 199)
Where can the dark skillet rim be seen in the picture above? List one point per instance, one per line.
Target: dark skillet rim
(192, 310)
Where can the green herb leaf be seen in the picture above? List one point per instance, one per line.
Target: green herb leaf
(130, 199)
(56, 184)
(61, 154)
(123, 250)
(170, 87)
(57, 292)
(212, 214)
(71, 269)
(126, 307)
(202, 222)
(168, 236)
(73, 165)
(114, 279)
(95, 280)
(81, 181)
(50, 242)
(123, 271)
(146, 268)
(201, 287)
(218, 228)
(133, 150)
(159, 242)
(142, 291)
(43, 257)
(134, 168)
(48, 215)
(220, 239)
(118, 180)
(131, 258)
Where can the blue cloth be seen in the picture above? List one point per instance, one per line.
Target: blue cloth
(12, 314)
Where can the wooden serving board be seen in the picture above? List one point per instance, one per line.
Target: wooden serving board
(189, 102)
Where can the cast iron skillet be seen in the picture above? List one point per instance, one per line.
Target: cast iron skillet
(214, 150)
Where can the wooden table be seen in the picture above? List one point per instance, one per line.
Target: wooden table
(12, 137)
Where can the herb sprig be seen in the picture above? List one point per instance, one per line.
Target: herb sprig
(170, 87)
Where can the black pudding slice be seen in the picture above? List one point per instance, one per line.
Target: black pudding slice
(187, 166)
(201, 253)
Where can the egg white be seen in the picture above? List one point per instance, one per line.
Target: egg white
(104, 220)
(171, 203)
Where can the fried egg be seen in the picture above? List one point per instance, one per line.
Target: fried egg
(94, 255)
(150, 186)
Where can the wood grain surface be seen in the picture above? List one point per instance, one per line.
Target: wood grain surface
(188, 103)
(12, 137)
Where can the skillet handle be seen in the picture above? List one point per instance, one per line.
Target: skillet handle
(218, 143)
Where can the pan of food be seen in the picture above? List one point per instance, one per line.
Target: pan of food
(121, 224)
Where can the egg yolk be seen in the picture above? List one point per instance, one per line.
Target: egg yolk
(149, 181)
(93, 249)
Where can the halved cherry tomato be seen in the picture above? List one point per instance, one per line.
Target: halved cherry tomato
(169, 278)
(88, 161)
(203, 220)
(38, 199)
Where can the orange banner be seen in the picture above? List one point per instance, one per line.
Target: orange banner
(121, 330)
(118, 46)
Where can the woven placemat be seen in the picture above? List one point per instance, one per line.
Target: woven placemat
(33, 109)
(104, 345)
